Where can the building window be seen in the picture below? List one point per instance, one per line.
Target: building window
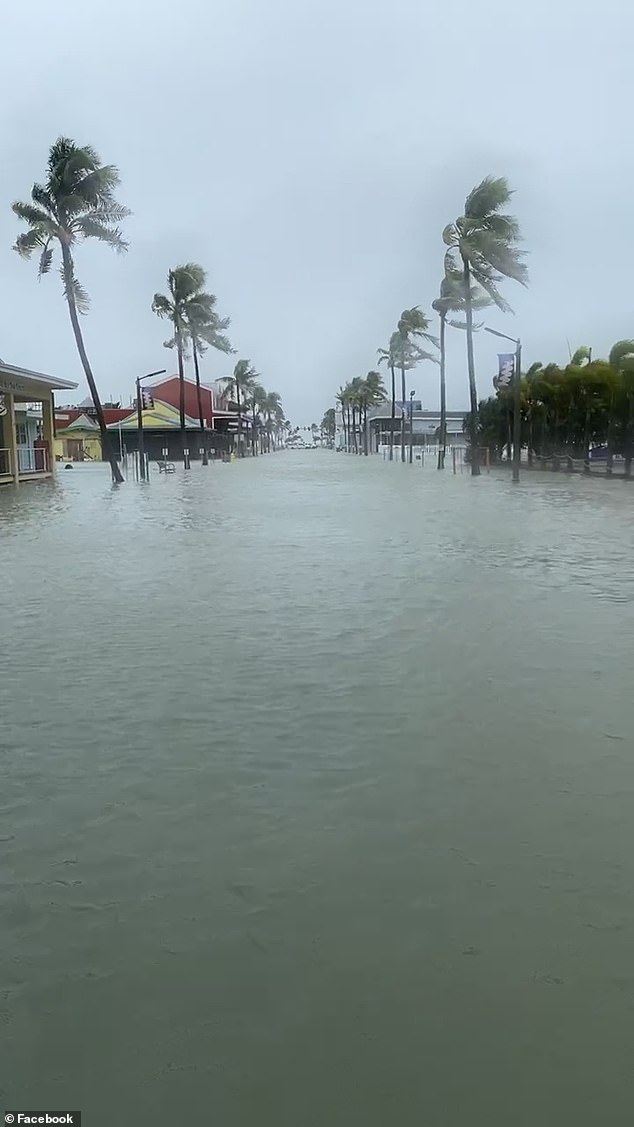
(20, 434)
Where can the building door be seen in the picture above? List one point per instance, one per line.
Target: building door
(75, 449)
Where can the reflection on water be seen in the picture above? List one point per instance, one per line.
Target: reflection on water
(316, 804)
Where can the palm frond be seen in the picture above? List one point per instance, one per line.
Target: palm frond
(162, 306)
(488, 281)
(46, 259)
(43, 199)
(92, 229)
(29, 241)
(185, 281)
(34, 216)
(490, 195)
(74, 291)
(110, 213)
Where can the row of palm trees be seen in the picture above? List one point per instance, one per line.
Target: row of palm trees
(356, 398)
(482, 249)
(567, 412)
(76, 201)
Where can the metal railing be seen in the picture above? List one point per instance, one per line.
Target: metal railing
(32, 459)
(5, 462)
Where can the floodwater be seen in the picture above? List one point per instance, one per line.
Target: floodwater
(317, 801)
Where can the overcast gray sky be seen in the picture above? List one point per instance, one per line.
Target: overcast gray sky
(308, 153)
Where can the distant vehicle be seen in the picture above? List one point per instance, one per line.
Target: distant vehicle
(600, 454)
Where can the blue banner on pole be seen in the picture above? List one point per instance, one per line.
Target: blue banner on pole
(506, 370)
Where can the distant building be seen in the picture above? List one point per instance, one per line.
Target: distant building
(77, 434)
(26, 423)
(425, 426)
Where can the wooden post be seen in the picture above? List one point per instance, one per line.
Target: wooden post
(13, 438)
(48, 429)
(453, 458)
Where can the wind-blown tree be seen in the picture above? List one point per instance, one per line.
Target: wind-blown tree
(202, 326)
(329, 426)
(451, 300)
(256, 401)
(76, 202)
(485, 242)
(239, 384)
(184, 284)
(622, 358)
(371, 392)
(582, 355)
(273, 414)
(343, 400)
(205, 329)
(390, 356)
(413, 325)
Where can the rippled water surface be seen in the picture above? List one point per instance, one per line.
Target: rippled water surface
(317, 800)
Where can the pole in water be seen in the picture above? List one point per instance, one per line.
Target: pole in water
(453, 458)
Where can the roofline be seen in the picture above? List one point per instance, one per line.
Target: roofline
(39, 377)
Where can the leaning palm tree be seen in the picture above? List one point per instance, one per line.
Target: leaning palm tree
(205, 329)
(451, 300)
(273, 414)
(76, 202)
(413, 325)
(243, 378)
(372, 392)
(484, 243)
(581, 356)
(184, 283)
(256, 401)
(389, 356)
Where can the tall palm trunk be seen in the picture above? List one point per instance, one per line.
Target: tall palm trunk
(627, 446)
(354, 429)
(200, 404)
(403, 394)
(393, 416)
(181, 393)
(473, 391)
(108, 453)
(239, 403)
(442, 439)
(365, 431)
(253, 434)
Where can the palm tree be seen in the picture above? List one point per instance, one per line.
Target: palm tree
(389, 356)
(485, 242)
(243, 378)
(581, 356)
(273, 414)
(450, 300)
(622, 358)
(184, 283)
(342, 399)
(371, 393)
(413, 325)
(76, 202)
(329, 426)
(205, 330)
(256, 400)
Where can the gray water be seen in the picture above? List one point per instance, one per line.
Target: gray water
(317, 801)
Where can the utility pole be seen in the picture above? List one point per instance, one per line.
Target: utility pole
(517, 400)
(139, 420)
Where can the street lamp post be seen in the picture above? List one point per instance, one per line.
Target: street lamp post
(411, 427)
(139, 420)
(517, 421)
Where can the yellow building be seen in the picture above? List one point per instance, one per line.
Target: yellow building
(26, 423)
(77, 441)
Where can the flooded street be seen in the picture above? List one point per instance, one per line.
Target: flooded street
(317, 784)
